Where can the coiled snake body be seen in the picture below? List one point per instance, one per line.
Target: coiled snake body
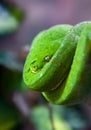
(59, 63)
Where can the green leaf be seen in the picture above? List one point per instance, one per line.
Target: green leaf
(41, 118)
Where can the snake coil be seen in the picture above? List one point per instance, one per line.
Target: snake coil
(59, 63)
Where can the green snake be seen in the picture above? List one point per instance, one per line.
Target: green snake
(59, 63)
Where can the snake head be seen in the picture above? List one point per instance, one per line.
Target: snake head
(39, 72)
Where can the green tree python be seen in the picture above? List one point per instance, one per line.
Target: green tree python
(59, 63)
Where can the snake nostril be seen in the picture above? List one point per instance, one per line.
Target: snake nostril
(34, 69)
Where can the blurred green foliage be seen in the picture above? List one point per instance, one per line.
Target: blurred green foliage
(11, 80)
(14, 10)
(11, 72)
(9, 117)
(41, 118)
(10, 18)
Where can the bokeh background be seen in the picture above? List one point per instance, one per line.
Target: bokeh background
(41, 14)
(21, 108)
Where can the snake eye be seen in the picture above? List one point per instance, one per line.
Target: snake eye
(47, 58)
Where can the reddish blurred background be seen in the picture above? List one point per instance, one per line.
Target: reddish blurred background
(41, 14)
